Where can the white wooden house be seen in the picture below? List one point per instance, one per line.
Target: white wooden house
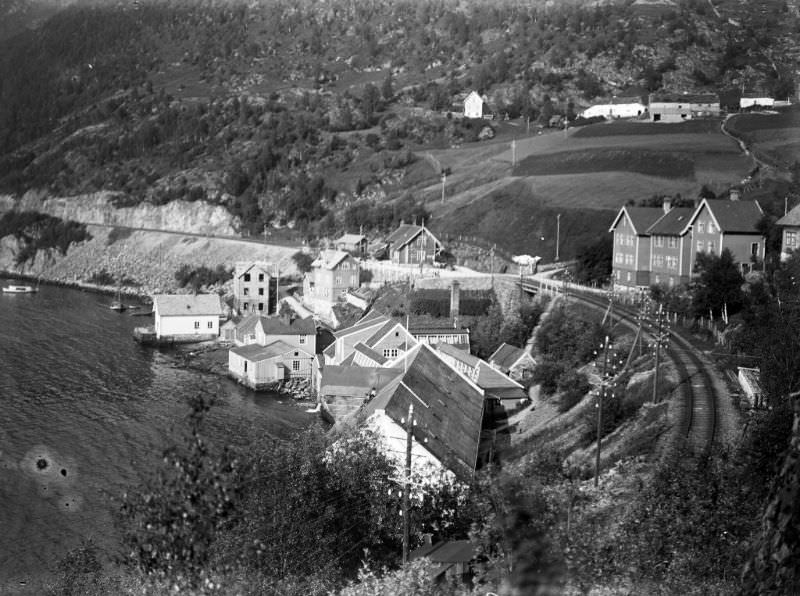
(262, 366)
(186, 317)
(474, 105)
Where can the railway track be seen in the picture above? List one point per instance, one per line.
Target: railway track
(698, 404)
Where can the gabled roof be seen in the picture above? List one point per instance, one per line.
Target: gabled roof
(460, 355)
(507, 355)
(731, 217)
(243, 267)
(448, 408)
(352, 381)
(257, 353)
(790, 219)
(329, 259)
(491, 378)
(672, 223)
(187, 304)
(383, 331)
(405, 234)
(277, 325)
(641, 218)
(371, 320)
(369, 353)
(351, 239)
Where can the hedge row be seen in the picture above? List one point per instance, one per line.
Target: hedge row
(437, 302)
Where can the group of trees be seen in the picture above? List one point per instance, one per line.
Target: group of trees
(38, 231)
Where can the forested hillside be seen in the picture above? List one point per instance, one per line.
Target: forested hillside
(293, 112)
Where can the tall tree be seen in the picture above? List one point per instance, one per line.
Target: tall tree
(718, 285)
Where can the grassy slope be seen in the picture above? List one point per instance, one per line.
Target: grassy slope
(598, 168)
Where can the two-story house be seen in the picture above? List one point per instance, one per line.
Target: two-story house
(718, 224)
(671, 247)
(251, 287)
(631, 253)
(332, 274)
(413, 245)
(355, 244)
(790, 232)
(261, 330)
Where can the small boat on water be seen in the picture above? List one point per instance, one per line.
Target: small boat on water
(12, 289)
(118, 305)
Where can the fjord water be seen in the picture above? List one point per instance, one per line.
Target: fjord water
(85, 414)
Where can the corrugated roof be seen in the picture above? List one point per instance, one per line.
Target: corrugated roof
(491, 378)
(355, 381)
(187, 304)
(458, 354)
(447, 407)
(733, 217)
(672, 223)
(329, 259)
(506, 355)
(257, 353)
(790, 219)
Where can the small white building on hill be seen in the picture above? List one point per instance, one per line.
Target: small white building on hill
(618, 107)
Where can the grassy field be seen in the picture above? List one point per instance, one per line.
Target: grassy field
(617, 128)
(774, 136)
(662, 164)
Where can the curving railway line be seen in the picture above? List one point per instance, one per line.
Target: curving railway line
(698, 406)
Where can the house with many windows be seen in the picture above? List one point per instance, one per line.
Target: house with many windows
(631, 258)
(332, 273)
(251, 287)
(790, 232)
(717, 224)
(670, 247)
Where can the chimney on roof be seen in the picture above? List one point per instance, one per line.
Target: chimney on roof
(455, 299)
(735, 193)
(667, 204)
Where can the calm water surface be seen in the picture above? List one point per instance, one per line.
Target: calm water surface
(79, 395)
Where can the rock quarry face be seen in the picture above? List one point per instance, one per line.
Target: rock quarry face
(97, 208)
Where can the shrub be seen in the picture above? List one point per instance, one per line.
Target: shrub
(572, 385)
(547, 374)
(186, 275)
(437, 302)
(102, 278)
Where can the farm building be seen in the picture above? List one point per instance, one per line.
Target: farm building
(413, 245)
(355, 244)
(186, 317)
(618, 107)
(753, 100)
(790, 232)
(677, 108)
(475, 105)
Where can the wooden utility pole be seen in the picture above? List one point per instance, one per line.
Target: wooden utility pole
(660, 338)
(600, 397)
(444, 181)
(407, 487)
(513, 153)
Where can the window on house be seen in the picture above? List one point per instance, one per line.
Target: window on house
(197, 324)
(619, 258)
(658, 261)
(338, 280)
(210, 324)
(791, 239)
(701, 227)
(699, 246)
(711, 247)
(658, 279)
(659, 241)
(711, 227)
(246, 291)
(672, 262)
(260, 277)
(245, 366)
(302, 339)
(629, 259)
(244, 305)
(390, 352)
(260, 291)
(295, 365)
(673, 242)
(260, 306)
(247, 277)
(754, 249)
(629, 275)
